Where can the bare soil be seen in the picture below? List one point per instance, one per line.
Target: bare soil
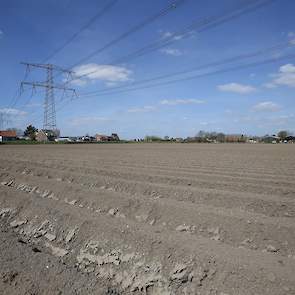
(147, 219)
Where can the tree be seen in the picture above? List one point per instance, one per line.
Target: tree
(152, 138)
(282, 134)
(31, 132)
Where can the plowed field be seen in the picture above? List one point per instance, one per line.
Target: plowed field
(147, 219)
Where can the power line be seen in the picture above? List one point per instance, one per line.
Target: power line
(172, 6)
(236, 68)
(206, 26)
(197, 76)
(220, 71)
(109, 5)
(18, 92)
(197, 68)
(197, 26)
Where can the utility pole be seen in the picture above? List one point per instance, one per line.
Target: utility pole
(49, 120)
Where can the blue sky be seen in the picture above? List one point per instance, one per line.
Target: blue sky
(252, 100)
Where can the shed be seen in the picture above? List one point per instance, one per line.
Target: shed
(6, 135)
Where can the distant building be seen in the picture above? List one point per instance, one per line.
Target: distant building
(51, 134)
(235, 138)
(290, 139)
(178, 139)
(41, 136)
(47, 135)
(7, 135)
(102, 137)
(115, 137)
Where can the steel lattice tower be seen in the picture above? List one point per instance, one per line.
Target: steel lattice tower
(49, 122)
(49, 119)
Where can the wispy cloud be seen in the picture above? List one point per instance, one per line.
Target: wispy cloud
(266, 106)
(284, 77)
(144, 109)
(172, 51)
(236, 88)
(1, 34)
(107, 73)
(288, 68)
(171, 35)
(12, 112)
(173, 102)
(269, 85)
(33, 105)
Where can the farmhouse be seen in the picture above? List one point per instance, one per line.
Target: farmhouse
(7, 135)
(101, 137)
(41, 136)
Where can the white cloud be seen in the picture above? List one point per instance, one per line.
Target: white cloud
(33, 105)
(166, 34)
(88, 120)
(173, 102)
(236, 88)
(1, 34)
(269, 85)
(170, 35)
(172, 51)
(288, 68)
(285, 76)
(12, 112)
(287, 80)
(266, 106)
(144, 109)
(95, 72)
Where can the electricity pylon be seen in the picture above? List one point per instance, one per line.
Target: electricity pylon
(49, 121)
